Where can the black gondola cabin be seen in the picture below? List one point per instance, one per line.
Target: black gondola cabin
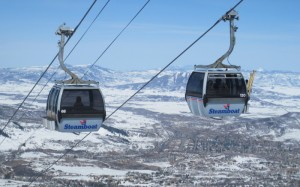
(75, 108)
(216, 93)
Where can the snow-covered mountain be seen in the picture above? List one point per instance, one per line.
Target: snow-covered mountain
(153, 140)
(175, 78)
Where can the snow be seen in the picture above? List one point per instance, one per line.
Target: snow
(125, 119)
(267, 100)
(290, 134)
(228, 167)
(164, 107)
(158, 164)
(256, 111)
(12, 183)
(243, 159)
(130, 120)
(240, 163)
(88, 170)
(71, 177)
(33, 155)
(281, 89)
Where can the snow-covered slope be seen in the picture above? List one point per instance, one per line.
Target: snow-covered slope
(154, 132)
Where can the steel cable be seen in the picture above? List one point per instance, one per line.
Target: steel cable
(77, 143)
(116, 38)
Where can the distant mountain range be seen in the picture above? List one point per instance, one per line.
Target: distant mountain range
(175, 78)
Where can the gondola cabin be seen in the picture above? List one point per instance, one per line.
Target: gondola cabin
(216, 93)
(75, 108)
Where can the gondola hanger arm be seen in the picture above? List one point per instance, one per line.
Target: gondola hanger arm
(229, 16)
(65, 31)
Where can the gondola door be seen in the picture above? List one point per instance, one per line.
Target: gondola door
(216, 94)
(80, 110)
(225, 95)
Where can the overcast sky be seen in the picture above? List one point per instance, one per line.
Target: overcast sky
(268, 35)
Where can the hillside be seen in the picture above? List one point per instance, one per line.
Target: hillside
(153, 140)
